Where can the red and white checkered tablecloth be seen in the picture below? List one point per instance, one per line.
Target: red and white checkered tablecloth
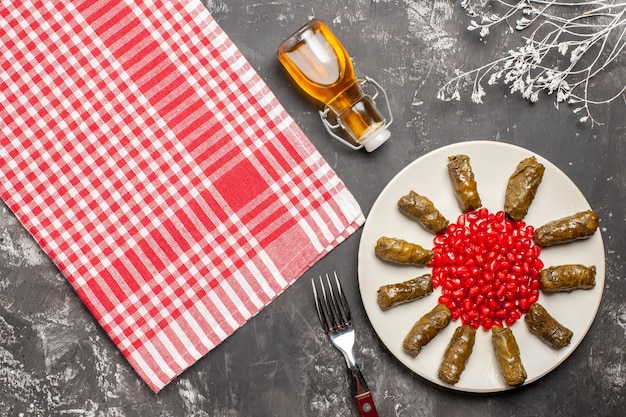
(157, 170)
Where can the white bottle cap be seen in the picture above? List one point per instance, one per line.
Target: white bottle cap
(372, 141)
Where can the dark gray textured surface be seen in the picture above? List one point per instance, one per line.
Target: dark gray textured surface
(55, 360)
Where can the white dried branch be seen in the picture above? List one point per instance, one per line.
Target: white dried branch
(570, 43)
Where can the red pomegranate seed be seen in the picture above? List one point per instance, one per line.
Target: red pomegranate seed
(488, 268)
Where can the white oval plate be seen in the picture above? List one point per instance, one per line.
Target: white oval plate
(492, 163)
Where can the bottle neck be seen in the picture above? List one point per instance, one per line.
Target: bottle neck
(361, 118)
(346, 99)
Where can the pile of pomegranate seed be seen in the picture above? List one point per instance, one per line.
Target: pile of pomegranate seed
(488, 269)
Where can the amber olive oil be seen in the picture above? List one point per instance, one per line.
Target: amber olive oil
(320, 65)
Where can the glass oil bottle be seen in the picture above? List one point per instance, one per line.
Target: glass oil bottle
(322, 68)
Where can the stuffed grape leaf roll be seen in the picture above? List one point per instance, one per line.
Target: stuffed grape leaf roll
(423, 210)
(521, 188)
(541, 323)
(403, 252)
(391, 295)
(508, 356)
(463, 182)
(567, 278)
(426, 328)
(577, 226)
(456, 354)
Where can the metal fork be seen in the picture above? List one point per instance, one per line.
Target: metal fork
(336, 319)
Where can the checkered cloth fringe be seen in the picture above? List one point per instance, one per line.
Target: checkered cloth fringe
(159, 173)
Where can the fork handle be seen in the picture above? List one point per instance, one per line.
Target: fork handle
(365, 404)
(363, 397)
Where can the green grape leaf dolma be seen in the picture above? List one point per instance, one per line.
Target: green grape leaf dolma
(577, 226)
(508, 356)
(542, 324)
(391, 295)
(521, 188)
(567, 278)
(403, 252)
(426, 328)
(456, 354)
(423, 210)
(463, 182)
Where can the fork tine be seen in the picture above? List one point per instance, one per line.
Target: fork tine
(338, 303)
(333, 306)
(320, 306)
(344, 302)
